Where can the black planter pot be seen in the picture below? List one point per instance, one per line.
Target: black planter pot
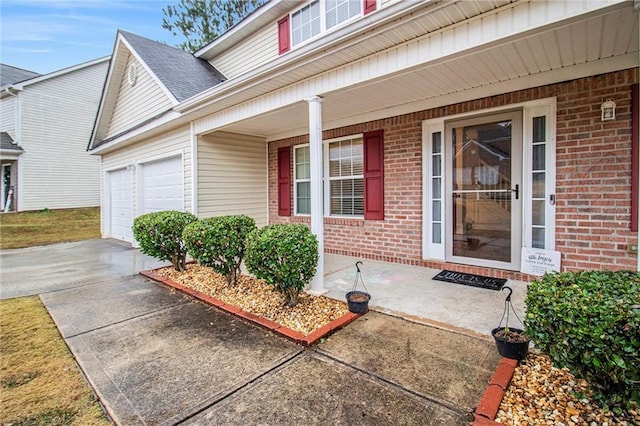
(358, 301)
(513, 350)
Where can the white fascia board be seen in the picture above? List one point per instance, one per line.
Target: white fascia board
(58, 73)
(9, 154)
(109, 81)
(8, 90)
(173, 99)
(587, 69)
(299, 57)
(433, 48)
(352, 35)
(265, 14)
(169, 120)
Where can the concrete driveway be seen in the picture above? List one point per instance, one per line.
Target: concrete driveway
(157, 357)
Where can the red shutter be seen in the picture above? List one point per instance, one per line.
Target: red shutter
(283, 35)
(635, 112)
(374, 175)
(369, 6)
(284, 181)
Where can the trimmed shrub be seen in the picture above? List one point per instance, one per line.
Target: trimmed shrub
(285, 256)
(160, 235)
(219, 242)
(590, 322)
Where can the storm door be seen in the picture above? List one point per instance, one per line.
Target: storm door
(484, 190)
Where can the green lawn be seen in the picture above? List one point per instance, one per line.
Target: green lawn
(37, 228)
(40, 381)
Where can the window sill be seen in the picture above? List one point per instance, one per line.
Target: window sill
(331, 220)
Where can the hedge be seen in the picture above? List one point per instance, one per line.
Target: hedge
(590, 322)
(219, 242)
(285, 256)
(160, 235)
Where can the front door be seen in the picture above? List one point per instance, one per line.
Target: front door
(6, 201)
(484, 193)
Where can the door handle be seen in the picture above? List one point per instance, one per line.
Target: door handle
(516, 190)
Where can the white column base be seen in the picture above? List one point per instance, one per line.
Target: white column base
(318, 292)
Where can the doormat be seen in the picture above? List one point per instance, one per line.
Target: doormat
(470, 279)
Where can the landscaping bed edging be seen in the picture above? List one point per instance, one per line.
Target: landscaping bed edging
(487, 409)
(305, 340)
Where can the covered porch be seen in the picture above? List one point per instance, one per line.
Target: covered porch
(411, 293)
(485, 61)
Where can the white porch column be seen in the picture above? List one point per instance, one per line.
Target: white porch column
(317, 213)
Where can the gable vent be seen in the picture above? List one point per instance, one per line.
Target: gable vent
(132, 74)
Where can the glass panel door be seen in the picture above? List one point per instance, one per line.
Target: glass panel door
(485, 191)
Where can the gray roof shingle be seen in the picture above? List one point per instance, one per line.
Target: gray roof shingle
(12, 75)
(6, 142)
(183, 74)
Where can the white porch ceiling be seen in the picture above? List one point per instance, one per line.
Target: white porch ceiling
(597, 43)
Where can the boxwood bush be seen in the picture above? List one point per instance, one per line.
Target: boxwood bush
(219, 242)
(160, 235)
(590, 322)
(285, 256)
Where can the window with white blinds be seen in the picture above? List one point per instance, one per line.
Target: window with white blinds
(339, 11)
(305, 23)
(302, 176)
(317, 17)
(346, 177)
(343, 164)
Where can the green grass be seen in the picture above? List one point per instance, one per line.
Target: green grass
(38, 228)
(40, 383)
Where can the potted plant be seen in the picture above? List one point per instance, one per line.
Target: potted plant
(511, 342)
(358, 301)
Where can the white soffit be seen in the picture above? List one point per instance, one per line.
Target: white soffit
(409, 73)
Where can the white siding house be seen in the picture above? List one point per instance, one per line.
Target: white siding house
(50, 118)
(451, 135)
(261, 48)
(126, 197)
(140, 98)
(231, 176)
(146, 81)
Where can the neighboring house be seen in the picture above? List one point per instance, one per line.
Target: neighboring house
(442, 134)
(9, 150)
(45, 123)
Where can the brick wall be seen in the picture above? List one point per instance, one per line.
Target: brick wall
(593, 188)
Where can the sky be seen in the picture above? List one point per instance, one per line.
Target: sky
(48, 35)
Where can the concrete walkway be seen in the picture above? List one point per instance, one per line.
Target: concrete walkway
(155, 356)
(411, 293)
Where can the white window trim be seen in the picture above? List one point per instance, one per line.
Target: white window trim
(296, 180)
(549, 111)
(547, 107)
(431, 250)
(323, 22)
(325, 182)
(310, 39)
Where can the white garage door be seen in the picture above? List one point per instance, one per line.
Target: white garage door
(162, 185)
(121, 206)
